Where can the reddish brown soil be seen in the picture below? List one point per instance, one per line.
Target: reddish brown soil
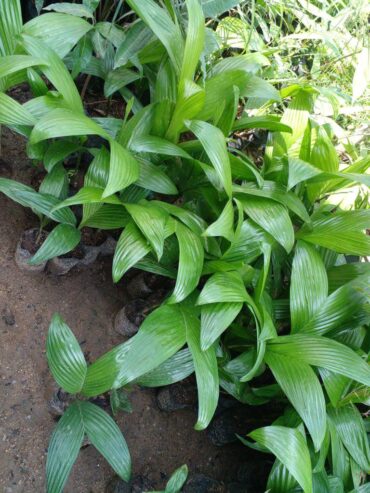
(87, 300)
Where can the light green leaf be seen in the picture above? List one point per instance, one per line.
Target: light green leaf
(106, 437)
(173, 370)
(123, 169)
(272, 217)
(194, 43)
(131, 248)
(156, 145)
(153, 178)
(66, 360)
(151, 220)
(14, 63)
(177, 480)
(309, 285)
(64, 446)
(63, 239)
(322, 352)
(289, 446)
(215, 319)
(57, 152)
(213, 8)
(206, 371)
(77, 10)
(302, 387)
(89, 195)
(224, 225)
(13, 113)
(268, 122)
(60, 32)
(213, 142)
(190, 263)
(223, 287)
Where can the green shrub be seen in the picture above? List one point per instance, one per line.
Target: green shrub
(260, 253)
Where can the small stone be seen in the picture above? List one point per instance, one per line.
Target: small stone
(199, 483)
(8, 316)
(59, 403)
(130, 317)
(177, 396)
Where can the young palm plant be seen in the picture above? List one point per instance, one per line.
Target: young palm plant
(259, 254)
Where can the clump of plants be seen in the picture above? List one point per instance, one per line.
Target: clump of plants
(268, 267)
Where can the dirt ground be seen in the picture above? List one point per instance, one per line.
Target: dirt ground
(159, 442)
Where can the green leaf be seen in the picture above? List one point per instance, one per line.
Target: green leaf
(194, 40)
(55, 71)
(177, 480)
(107, 217)
(14, 63)
(60, 32)
(322, 352)
(302, 387)
(55, 183)
(138, 36)
(39, 202)
(213, 142)
(224, 225)
(66, 360)
(10, 25)
(206, 371)
(268, 122)
(348, 306)
(275, 191)
(341, 232)
(163, 27)
(13, 113)
(309, 285)
(272, 217)
(341, 274)
(151, 221)
(176, 368)
(89, 195)
(190, 263)
(160, 336)
(289, 446)
(77, 10)
(131, 248)
(119, 401)
(351, 430)
(215, 319)
(116, 79)
(64, 446)
(106, 437)
(153, 178)
(63, 239)
(156, 145)
(223, 287)
(123, 169)
(213, 8)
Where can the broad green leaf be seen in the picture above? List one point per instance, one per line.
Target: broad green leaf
(58, 151)
(215, 319)
(177, 480)
(300, 171)
(322, 352)
(160, 336)
(77, 10)
(137, 37)
(280, 480)
(163, 27)
(223, 287)
(131, 247)
(272, 217)
(341, 274)
(173, 370)
(224, 225)
(341, 232)
(55, 183)
(194, 43)
(206, 371)
(153, 178)
(55, 71)
(10, 25)
(60, 32)
(348, 306)
(39, 202)
(289, 446)
(156, 145)
(106, 437)
(151, 221)
(123, 169)
(190, 263)
(213, 142)
(13, 113)
(268, 122)
(335, 385)
(107, 217)
(351, 430)
(302, 387)
(64, 446)
(63, 239)
(275, 191)
(309, 285)
(89, 195)
(66, 360)
(213, 8)
(14, 63)
(116, 79)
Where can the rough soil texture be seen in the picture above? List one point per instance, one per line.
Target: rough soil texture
(159, 442)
